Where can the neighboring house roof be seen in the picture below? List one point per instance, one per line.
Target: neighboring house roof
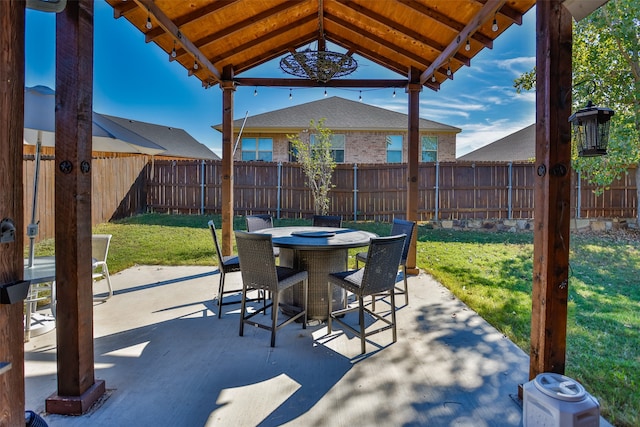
(340, 114)
(519, 146)
(176, 141)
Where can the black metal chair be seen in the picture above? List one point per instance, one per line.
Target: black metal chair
(226, 264)
(399, 226)
(260, 222)
(327, 221)
(376, 279)
(259, 271)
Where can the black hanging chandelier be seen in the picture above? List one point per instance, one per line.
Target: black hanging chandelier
(318, 65)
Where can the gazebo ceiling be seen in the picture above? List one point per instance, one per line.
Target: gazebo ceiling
(429, 37)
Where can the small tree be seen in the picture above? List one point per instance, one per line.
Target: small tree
(317, 163)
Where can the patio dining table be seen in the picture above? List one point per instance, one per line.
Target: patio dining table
(319, 251)
(42, 276)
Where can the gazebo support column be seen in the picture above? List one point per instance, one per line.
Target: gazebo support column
(12, 24)
(77, 387)
(228, 88)
(413, 155)
(552, 189)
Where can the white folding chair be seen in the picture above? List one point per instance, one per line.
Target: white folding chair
(99, 252)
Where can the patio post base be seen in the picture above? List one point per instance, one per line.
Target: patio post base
(75, 405)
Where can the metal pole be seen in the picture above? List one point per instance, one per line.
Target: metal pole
(32, 228)
(355, 191)
(510, 189)
(279, 190)
(235, 147)
(437, 201)
(578, 195)
(202, 187)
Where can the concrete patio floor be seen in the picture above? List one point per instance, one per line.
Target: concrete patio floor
(167, 360)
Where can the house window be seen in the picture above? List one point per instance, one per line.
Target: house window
(337, 147)
(394, 148)
(429, 148)
(257, 149)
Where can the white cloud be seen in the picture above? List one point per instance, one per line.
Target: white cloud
(476, 135)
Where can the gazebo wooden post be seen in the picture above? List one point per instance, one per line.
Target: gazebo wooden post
(12, 25)
(552, 189)
(228, 88)
(413, 155)
(77, 387)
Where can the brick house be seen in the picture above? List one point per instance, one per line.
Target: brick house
(361, 133)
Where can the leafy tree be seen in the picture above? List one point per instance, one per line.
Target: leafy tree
(317, 163)
(606, 70)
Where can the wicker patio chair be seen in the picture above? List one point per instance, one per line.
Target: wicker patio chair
(327, 221)
(260, 222)
(226, 264)
(99, 251)
(399, 226)
(259, 271)
(376, 279)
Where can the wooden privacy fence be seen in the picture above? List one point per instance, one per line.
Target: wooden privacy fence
(376, 192)
(117, 186)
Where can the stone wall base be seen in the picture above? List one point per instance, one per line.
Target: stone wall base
(519, 225)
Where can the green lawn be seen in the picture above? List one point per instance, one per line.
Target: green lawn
(490, 272)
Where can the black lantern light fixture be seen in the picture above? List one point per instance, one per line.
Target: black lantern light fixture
(591, 129)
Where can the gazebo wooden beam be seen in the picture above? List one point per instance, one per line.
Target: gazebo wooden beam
(413, 158)
(552, 189)
(12, 27)
(77, 387)
(228, 89)
(183, 43)
(489, 10)
(266, 82)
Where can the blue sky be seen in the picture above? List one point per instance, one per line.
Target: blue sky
(135, 80)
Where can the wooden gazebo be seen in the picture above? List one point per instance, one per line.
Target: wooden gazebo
(424, 41)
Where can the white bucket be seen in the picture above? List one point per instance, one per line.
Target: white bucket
(553, 400)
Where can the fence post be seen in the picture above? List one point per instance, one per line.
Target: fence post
(279, 189)
(510, 190)
(202, 187)
(437, 201)
(578, 194)
(355, 191)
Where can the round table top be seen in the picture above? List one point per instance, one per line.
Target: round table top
(43, 269)
(318, 238)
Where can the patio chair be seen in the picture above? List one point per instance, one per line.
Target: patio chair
(99, 251)
(327, 221)
(226, 264)
(260, 222)
(399, 226)
(259, 271)
(376, 279)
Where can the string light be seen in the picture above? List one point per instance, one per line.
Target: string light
(494, 27)
(467, 46)
(195, 65)
(149, 25)
(290, 94)
(325, 93)
(360, 98)
(433, 78)
(255, 91)
(173, 51)
(448, 70)
(394, 92)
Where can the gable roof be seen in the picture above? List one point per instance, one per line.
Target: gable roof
(340, 114)
(431, 37)
(519, 146)
(177, 142)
